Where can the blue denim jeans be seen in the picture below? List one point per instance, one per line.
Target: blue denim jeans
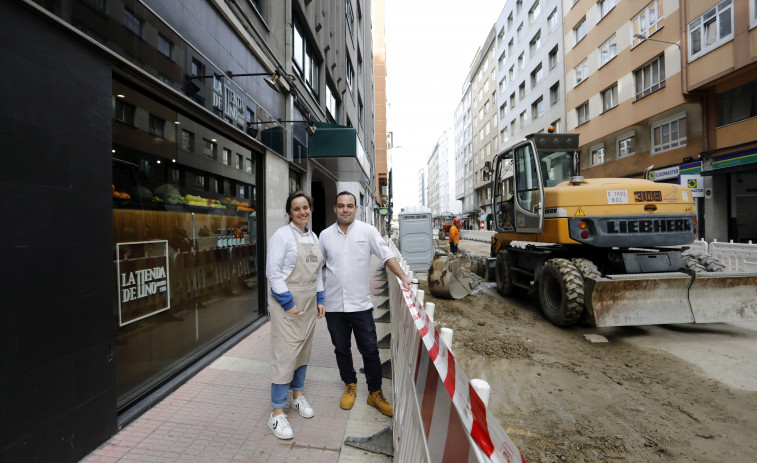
(279, 391)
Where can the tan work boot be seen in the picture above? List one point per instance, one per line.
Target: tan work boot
(377, 400)
(348, 399)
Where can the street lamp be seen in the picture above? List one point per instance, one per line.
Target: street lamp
(643, 38)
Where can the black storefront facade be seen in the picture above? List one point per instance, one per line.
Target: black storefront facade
(131, 241)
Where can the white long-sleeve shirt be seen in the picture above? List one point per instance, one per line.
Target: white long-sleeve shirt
(282, 255)
(347, 258)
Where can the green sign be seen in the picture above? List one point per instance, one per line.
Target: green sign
(383, 211)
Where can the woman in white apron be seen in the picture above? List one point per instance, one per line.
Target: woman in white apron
(293, 269)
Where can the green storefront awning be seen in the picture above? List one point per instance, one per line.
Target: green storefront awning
(338, 149)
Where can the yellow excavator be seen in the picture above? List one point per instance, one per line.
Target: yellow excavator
(604, 251)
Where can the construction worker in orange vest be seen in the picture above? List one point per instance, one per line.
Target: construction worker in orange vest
(454, 236)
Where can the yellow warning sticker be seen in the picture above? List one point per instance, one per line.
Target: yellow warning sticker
(579, 213)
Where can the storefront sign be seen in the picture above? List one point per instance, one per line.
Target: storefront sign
(142, 273)
(664, 174)
(383, 211)
(695, 184)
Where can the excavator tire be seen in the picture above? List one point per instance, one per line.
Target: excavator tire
(561, 292)
(587, 268)
(504, 277)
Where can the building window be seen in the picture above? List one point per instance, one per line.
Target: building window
(554, 94)
(738, 104)
(157, 126)
(607, 51)
(535, 44)
(510, 21)
(537, 108)
(669, 134)
(360, 111)
(553, 21)
(753, 13)
(187, 140)
(604, 7)
(523, 119)
(647, 22)
(536, 75)
(350, 15)
(249, 166)
(350, 75)
(512, 100)
(209, 148)
(522, 91)
(240, 162)
(556, 125)
(582, 71)
(132, 22)
(124, 112)
(650, 78)
(582, 113)
(533, 13)
(626, 145)
(553, 58)
(610, 98)
(711, 30)
(519, 33)
(304, 59)
(227, 157)
(579, 32)
(597, 154)
(165, 46)
(521, 61)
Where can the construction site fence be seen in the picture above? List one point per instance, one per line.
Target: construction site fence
(438, 416)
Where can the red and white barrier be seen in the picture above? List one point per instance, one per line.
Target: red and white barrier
(438, 417)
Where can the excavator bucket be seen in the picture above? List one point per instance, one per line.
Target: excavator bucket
(446, 278)
(724, 297)
(638, 299)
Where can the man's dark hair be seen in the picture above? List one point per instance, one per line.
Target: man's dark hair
(336, 200)
(292, 197)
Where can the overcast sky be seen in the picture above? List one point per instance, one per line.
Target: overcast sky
(430, 45)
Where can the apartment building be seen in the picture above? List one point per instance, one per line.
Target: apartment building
(202, 116)
(463, 128)
(483, 78)
(422, 192)
(720, 66)
(530, 69)
(441, 176)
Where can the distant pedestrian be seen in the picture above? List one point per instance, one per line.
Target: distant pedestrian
(293, 269)
(454, 236)
(347, 247)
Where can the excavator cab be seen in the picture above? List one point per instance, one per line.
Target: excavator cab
(523, 171)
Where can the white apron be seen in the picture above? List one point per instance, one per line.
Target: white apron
(292, 335)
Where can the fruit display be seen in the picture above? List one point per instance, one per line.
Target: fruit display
(168, 195)
(120, 195)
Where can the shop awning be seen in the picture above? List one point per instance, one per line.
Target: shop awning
(734, 162)
(338, 149)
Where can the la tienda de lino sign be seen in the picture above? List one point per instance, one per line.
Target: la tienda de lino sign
(142, 273)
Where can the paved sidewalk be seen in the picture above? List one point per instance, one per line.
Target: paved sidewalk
(220, 415)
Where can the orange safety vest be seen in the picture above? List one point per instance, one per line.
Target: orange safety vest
(454, 236)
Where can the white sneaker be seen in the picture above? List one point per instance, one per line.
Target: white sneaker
(303, 407)
(280, 426)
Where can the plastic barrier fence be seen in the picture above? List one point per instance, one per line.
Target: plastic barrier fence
(737, 257)
(438, 417)
(485, 236)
